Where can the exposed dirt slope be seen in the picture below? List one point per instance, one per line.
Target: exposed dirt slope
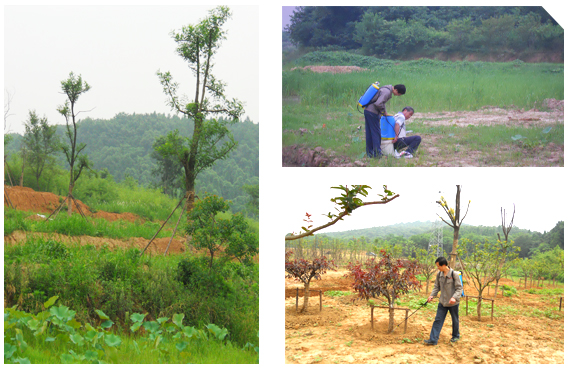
(24, 198)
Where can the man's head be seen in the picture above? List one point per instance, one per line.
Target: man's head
(408, 112)
(399, 90)
(441, 263)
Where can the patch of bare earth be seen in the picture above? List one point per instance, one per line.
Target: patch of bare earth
(342, 333)
(331, 69)
(433, 153)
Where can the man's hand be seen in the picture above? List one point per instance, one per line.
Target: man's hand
(430, 298)
(452, 301)
(395, 140)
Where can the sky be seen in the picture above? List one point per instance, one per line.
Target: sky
(536, 204)
(117, 50)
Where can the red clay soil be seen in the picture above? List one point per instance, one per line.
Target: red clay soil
(25, 198)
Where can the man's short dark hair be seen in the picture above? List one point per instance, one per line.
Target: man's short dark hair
(441, 260)
(400, 88)
(408, 108)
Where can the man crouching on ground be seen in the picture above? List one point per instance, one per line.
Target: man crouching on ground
(401, 140)
(448, 282)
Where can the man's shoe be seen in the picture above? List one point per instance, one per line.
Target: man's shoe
(430, 343)
(454, 339)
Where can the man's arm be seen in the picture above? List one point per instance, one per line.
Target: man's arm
(397, 129)
(384, 95)
(436, 288)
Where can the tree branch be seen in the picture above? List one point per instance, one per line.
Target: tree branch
(340, 216)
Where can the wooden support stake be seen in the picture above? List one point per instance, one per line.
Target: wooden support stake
(163, 224)
(173, 233)
(372, 316)
(560, 301)
(56, 211)
(466, 305)
(297, 299)
(406, 316)
(320, 300)
(492, 310)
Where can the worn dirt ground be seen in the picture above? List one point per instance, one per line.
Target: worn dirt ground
(341, 332)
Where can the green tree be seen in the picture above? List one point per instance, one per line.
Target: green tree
(73, 87)
(41, 143)
(482, 262)
(425, 259)
(253, 204)
(214, 233)
(211, 139)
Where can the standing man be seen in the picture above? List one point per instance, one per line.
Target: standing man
(401, 140)
(372, 114)
(448, 282)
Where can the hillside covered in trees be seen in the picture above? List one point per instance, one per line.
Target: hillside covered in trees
(123, 148)
(400, 32)
(417, 234)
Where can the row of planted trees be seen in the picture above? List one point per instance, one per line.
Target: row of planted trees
(482, 263)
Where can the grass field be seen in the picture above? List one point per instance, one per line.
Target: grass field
(490, 114)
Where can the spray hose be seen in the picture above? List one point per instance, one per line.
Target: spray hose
(420, 307)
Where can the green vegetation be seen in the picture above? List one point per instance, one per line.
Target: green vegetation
(337, 293)
(55, 336)
(404, 31)
(124, 177)
(509, 291)
(124, 285)
(432, 86)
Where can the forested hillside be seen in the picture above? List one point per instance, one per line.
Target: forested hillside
(400, 32)
(417, 234)
(123, 147)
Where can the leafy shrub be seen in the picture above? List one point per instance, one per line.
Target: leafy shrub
(509, 291)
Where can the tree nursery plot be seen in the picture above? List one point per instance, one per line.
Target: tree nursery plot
(460, 119)
(526, 327)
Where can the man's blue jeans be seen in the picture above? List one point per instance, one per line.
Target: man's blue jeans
(373, 134)
(440, 319)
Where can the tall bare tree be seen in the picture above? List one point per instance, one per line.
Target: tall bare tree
(455, 222)
(73, 87)
(506, 230)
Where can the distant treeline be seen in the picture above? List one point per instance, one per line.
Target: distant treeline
(396, 32)
(418, 234)
(122, 147)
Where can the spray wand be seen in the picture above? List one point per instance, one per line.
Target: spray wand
(420, 307)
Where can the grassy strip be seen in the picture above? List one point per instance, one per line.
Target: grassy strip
(76, 225)
(432, 85)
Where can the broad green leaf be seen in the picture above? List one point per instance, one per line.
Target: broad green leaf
(9, 350)
(74, 324)
(547, 130)
(151, 326)
(62, 312)
(107, 324)
(50, 302)
(77, 339)
(66, 359)
(33, 324)
(361, 156)
(102, 315)
(190, 332)
(135, 326)
(112, 340)
(177, 335)
(22, 360)
(90, 335)
(517, 137)
(89, 327)
(181, 345)
(162, 320)
(137, 318)
(91, 355)
(170, 327)
(43, 315)
(50, 339)
(451, 134)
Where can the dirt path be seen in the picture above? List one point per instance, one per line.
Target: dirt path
(341, 332)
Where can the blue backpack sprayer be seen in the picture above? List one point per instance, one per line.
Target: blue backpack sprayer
(387, 122)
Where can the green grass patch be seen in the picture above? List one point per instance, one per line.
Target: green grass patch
(337, 293)
(546, 291)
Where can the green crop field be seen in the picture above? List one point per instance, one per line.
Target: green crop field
(450, 99)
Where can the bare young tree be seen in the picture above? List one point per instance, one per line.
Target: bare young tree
(455, 222)
(506, 230)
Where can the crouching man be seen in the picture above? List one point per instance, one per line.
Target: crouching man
(401, 140)
(448, 282)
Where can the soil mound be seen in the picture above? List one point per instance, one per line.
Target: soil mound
(25, 198)
(300, 156)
